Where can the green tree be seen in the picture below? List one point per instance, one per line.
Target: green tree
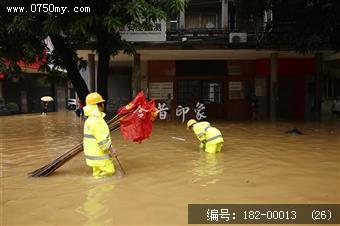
(308, 24)
(16, 46)
(98, 30)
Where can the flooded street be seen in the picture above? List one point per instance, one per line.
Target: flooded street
(259, 163)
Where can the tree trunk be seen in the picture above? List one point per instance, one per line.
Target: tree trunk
(66, 54)
(103, 65)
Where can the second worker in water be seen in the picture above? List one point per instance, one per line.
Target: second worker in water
(210, 137)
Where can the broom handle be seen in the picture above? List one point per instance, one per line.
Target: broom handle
(116, 116)
(120, 166)
(119, 116)
(113, 119)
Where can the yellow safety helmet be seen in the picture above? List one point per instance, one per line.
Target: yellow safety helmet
(191, 122)
(94, 98)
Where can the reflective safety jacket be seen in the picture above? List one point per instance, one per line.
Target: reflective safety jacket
(97, 139)
(207, 134)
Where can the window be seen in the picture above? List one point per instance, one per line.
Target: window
(212, 92)
(191, 91)
(203, 14)
(236, 90)
(174, 22)
(330, 87)
(188, 92)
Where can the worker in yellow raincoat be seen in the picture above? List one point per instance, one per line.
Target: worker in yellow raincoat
(211, 138)
(97, 140)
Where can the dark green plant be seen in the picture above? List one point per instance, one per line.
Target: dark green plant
(12, 107)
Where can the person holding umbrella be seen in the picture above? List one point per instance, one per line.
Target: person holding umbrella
(44, 103)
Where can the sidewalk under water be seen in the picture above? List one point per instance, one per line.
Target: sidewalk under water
(259, 163)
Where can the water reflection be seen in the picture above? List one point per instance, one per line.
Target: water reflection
(95, 205)
(206, 167)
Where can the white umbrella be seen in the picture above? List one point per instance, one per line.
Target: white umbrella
(47, 99)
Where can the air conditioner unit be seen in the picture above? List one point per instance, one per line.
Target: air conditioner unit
(237, 37)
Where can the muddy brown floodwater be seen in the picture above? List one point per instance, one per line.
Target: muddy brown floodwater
(259, 163)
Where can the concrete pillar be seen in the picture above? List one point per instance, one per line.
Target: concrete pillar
(261, 91)
(61, 97)
(273, 86)
(23, 98)
(92, 73)
(182, 19)
(144, 77)
(318, 85)
(224, 15)
(136, 75)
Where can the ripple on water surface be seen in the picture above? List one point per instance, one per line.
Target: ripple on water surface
(259, 164)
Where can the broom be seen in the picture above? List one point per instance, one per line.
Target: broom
(61, 160)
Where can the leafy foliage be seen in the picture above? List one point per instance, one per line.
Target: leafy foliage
(22, 35)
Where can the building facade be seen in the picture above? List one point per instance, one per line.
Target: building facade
(212, 57)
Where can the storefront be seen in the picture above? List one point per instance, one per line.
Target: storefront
(226, 87)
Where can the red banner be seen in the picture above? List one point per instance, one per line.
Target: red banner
(137, 126)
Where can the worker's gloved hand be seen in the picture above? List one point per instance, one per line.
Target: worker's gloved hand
(202, 146)
(113, 152)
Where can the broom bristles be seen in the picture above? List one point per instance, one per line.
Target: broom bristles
(49, 168)
(57, 159)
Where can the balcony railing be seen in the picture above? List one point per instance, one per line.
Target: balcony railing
(203, 36)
